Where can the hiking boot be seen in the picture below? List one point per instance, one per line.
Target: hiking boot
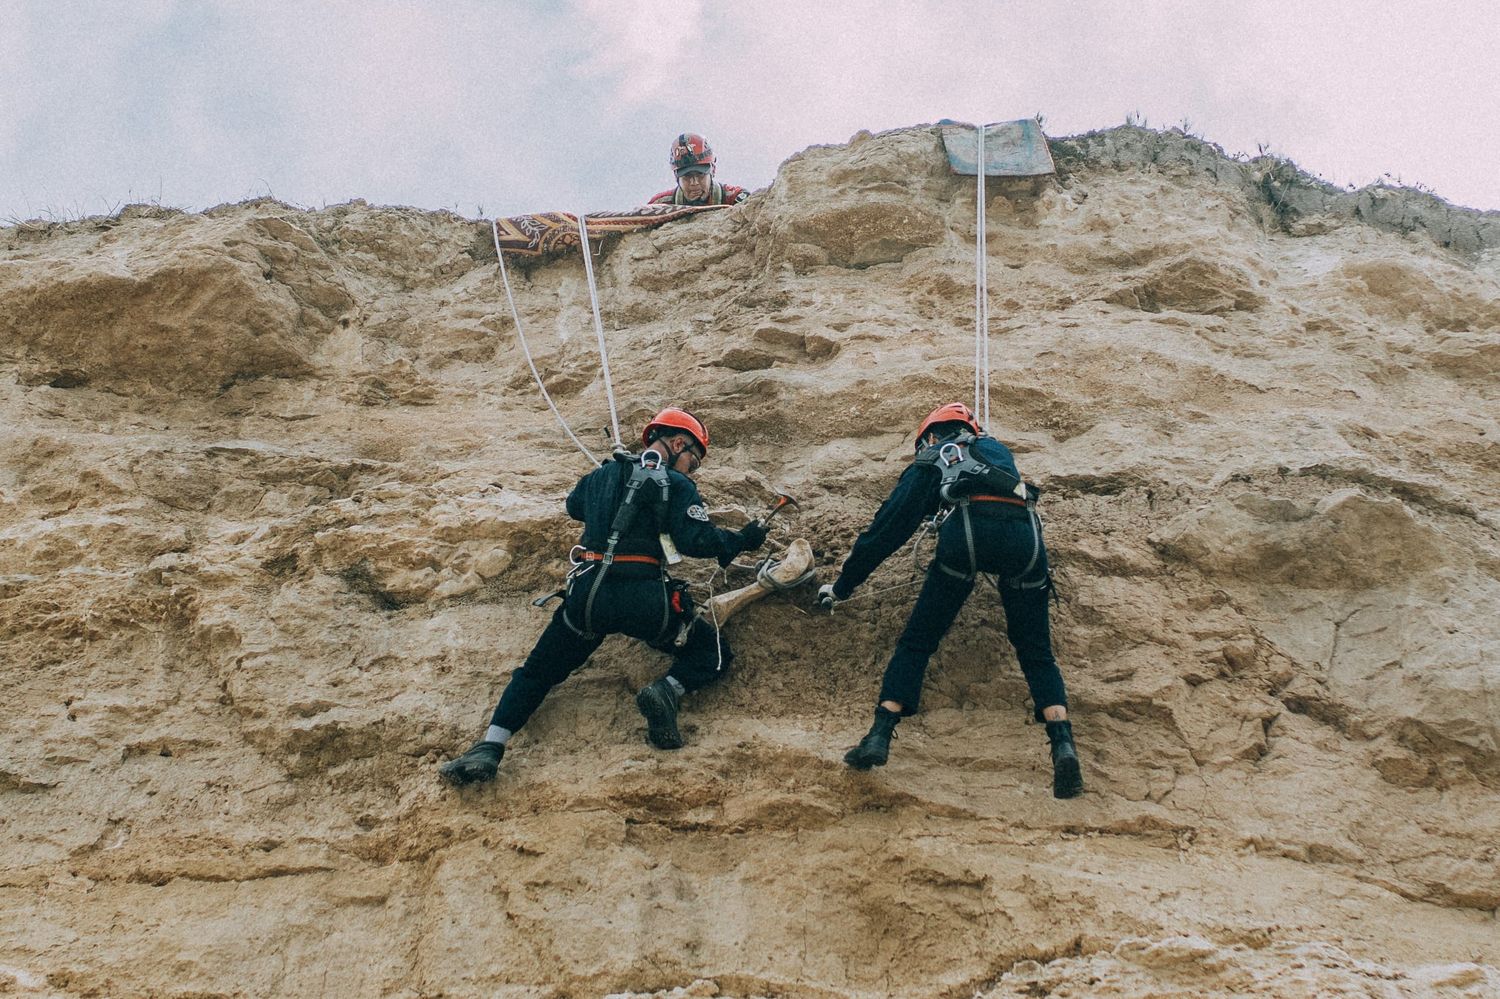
(476, 766)
(658, 703)
(875, 748)
(1067, 775)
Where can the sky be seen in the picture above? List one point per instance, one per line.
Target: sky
(500, 107)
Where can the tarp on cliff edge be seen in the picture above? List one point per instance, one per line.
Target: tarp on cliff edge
(557, 232)
(1011, 148)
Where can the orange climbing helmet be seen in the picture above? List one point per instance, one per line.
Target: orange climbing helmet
(673, 418)
(952, 412)
(691, 151)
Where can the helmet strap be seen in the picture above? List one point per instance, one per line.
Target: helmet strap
(669, 443)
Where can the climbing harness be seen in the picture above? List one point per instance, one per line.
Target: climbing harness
(646, 468)
(966, 479)
(965, 476)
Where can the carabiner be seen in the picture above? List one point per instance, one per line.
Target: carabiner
(576, 562)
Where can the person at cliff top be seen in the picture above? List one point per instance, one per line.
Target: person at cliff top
(988, 524)
(634, 510)
(693, 162)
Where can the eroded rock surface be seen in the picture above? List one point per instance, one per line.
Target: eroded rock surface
(277, 488)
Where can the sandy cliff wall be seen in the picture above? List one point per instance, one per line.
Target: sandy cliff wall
(276, 487)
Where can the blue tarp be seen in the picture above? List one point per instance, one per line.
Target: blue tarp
(1011, 148)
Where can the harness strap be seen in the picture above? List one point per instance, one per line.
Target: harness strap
(963, 508)
(969, 541)
(716, 195)
(645, 468)
(1018, 581)
(588, 556)
(985, 498)
(666, 612)
(588, 605)
(1036, 551)
(580, 632)
(961, 469)
(588, 608)
(951, 571)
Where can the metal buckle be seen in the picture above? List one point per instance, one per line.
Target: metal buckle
(650, 460)
(958, 453)
(934, 523)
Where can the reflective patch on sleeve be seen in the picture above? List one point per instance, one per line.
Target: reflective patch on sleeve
(697, 513)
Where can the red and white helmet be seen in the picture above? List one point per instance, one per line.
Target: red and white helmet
(691, 151)
(673, 418)
(952, 412)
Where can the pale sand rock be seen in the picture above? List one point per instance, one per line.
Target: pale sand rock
(277, 487)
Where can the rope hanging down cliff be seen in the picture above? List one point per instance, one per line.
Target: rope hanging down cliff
(598, 327)
(981, 301)
(588, 268)
(521, 334)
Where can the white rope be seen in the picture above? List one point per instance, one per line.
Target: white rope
(981, 300)
(588, 267)
(865, 595)
(985, 323)
(979, 235)
(521, 335)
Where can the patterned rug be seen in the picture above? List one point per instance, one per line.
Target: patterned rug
(557, 232)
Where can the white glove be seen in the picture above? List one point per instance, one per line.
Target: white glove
(826, 599)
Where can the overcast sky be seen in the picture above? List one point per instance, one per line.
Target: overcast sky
(502, 107)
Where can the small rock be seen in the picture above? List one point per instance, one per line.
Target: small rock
(492, 563)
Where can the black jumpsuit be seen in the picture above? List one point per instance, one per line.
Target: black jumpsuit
(1007, 541)
(633, 598)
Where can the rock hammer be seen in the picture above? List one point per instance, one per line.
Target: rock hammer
(782, 500)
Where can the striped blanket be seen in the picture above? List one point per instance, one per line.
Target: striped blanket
(557, 232)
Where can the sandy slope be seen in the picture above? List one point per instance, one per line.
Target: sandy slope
(277, 486)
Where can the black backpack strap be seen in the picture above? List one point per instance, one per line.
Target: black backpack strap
(644, 468)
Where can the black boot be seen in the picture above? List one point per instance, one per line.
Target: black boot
(476, 766)
(1067, 775)
(875, 748)
(658, 702)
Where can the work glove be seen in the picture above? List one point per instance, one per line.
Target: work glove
(826, 598)
(752, 536)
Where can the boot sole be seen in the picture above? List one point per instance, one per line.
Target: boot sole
(471, 768)
(1067, 778)
(463, 776)
(858, 761)
(661, 720)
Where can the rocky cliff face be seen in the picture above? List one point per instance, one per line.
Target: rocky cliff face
(277, 487)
